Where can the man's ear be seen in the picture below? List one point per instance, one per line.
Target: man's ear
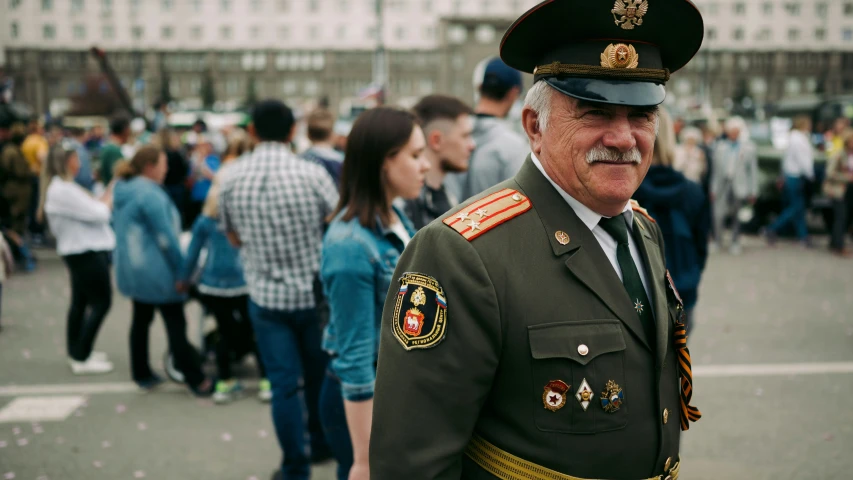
(250, 128)
(434, 139)
(292, 133)
(530, 122)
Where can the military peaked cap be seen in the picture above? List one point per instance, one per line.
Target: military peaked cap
(620, 52)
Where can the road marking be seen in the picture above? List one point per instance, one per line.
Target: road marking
(92, 388)
(701, 371)
(40, 409)
(771, 369)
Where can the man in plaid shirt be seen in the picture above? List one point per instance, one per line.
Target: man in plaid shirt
(273, 206)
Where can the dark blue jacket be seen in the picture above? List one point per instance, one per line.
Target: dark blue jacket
(679, 207)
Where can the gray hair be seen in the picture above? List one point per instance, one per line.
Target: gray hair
(540, 98)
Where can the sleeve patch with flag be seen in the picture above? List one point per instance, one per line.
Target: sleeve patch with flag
(487, 213)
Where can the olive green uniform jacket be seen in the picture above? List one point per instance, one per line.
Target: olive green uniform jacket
(519, 304)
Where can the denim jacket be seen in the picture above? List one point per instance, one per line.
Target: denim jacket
(148, 257)
(222, 274)
(356, 269)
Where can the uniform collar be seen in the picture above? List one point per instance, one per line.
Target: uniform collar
(584, 213)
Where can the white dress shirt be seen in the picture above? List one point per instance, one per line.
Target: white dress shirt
(799, 157)
(608, 244)
(79, 222)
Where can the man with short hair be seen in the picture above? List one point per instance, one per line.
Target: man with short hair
(447, 126)
(500, 150)
(273, 205)
(111, 152)
(320, 125)
(533, 333)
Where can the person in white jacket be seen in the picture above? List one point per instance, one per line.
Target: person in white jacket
(798, 168)
(84, 240)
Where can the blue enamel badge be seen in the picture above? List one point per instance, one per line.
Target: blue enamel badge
(612, 397)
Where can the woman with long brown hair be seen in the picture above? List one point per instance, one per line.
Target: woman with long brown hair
(384, 160)
(148, 262)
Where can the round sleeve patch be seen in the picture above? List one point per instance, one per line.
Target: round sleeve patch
(420, 313)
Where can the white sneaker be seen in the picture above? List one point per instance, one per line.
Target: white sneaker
(90, 367)
(101, 356)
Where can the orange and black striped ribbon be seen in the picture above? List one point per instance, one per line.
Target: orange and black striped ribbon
(688, 413)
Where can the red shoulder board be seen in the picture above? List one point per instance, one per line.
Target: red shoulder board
(487, 213)
(642, 211)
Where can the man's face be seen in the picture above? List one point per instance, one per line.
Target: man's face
(598, 153)
(456, 144)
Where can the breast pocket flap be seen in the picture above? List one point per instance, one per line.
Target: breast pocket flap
(581, 342)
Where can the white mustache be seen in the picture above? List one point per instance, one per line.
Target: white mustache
(600, 153)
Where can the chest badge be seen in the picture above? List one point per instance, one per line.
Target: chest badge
(420, 318)
(584, 394)
(554, 397)
(612, 397)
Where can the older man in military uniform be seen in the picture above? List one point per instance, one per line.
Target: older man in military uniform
(534, 332)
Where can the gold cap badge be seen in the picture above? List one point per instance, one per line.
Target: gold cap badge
(620, 56)
(629, 13)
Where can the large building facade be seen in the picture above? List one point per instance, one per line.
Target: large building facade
(303, 50)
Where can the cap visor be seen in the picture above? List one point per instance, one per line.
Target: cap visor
(617, 92)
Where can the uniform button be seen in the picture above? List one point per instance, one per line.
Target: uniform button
(667, 464)
(665, 415)
(583, 349)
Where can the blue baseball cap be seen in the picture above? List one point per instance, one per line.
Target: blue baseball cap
(496, 74)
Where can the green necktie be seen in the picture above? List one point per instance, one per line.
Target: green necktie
(617, 228)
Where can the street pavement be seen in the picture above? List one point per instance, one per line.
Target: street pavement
(772, 352)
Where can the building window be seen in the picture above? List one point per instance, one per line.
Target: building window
(167, 5)
(713, 8)
(108, 32)
(311, 88)
(48, 32)
(225, 32)
(283, 5)
(313, 6)
(820, 34)
(137, 32)
(426, 86)
(343, 6)
(341, 32)
(255, 32)
(284, 32)
(314, 32)
(847, 34)
(256, 6)
(166, 33)
(46, 5)
(76, 6)
(225, 5)
(13, 29)
(793, 34)
(485, 33)
(739, 8)
(195, 86)
(107, 6)
(429, 33)
(821, 9)
(457, 34)
(196, 32)
(848, 9)
(400, 33)
(711, 34)
(289, 87)
(318, 61)
(79, 32)
(767, 8)
(793, 9)
(14, 4)
(764, 35)
(737, 34)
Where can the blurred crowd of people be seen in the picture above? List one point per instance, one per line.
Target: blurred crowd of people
(292, 252)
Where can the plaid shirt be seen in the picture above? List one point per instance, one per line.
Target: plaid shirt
(276, 202)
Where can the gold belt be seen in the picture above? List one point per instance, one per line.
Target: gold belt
(507, 466)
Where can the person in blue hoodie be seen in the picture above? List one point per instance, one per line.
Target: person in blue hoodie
(679, 207)
(384, 160)
(148, 262)
(224, 292)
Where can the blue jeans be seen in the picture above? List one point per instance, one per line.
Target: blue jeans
(334, 420)
(795, 211)
(289, 344)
